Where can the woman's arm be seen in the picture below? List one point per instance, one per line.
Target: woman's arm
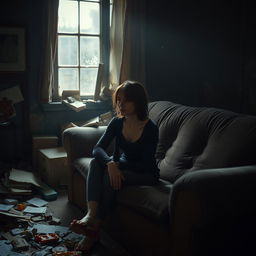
(99, 150)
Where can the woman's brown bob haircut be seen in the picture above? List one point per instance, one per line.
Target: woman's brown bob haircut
(136, 93)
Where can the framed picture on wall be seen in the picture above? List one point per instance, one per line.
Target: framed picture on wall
(12, 49)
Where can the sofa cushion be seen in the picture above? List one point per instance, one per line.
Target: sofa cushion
(150, 201)
(194, 138)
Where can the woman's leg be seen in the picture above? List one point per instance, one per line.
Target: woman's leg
(94, 181)
(107, 198)
(93, 193)
(109, 194)
(99, 195)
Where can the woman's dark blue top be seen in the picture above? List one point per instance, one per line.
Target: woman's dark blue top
(138, 156)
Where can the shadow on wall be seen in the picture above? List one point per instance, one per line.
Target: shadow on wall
(223, 96)
(250, 87)
(239, 96)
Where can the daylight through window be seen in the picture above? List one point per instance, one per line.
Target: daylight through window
(80, 42)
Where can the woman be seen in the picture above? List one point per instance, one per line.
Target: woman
(132, 163)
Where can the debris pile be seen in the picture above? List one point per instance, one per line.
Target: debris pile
(27, 227)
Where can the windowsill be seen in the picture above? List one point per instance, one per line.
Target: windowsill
(58, 106)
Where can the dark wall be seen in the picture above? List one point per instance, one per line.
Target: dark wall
(200, 53)
(15, 136)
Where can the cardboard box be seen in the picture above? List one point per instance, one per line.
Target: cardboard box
(41, 142)
(53, 169)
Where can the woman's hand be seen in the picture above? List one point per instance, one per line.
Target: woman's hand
(115, 175)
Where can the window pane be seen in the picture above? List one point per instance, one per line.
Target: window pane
(68, 50)
(68, 21)
(89, 18)
(68, 79)
(88, 81)
(90, 51)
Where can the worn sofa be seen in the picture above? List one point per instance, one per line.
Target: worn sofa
(204, 203)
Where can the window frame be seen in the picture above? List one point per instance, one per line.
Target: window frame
(104, 36)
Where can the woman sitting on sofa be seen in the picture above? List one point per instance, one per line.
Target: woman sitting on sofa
(132, 163)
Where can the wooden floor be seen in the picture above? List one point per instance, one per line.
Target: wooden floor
(64, 210)
(61, 208)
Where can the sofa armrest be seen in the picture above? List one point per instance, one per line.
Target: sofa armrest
(207, 206)
(79, 141)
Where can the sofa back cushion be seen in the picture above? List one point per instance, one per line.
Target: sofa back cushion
(193, 138)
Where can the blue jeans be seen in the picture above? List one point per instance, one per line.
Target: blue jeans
(99, 189)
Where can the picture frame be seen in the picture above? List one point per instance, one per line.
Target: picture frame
(12, 49)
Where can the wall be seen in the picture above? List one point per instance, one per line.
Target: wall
(205, 53)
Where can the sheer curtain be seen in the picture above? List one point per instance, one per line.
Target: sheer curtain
(49, 52)
(127, 42)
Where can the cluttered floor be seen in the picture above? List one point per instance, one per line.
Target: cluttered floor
(32, 225)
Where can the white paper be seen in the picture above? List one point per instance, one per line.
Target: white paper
(13, 94)
(30, 209)
(14, 215)
(6, 248)
(23, 176)
(43, 228)
(5, 207)
(37, 202)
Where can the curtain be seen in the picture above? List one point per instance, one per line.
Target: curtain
(49, 51)
(127, 42)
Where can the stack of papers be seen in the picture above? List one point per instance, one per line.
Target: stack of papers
(72, 99)
(20, 182)
(76, 105)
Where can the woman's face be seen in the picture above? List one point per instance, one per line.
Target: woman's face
(125, 107)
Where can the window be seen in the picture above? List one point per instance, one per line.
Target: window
(83, 43)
